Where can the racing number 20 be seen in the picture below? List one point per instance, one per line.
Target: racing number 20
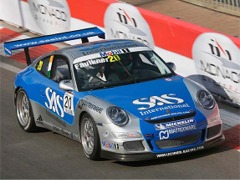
(114, 58)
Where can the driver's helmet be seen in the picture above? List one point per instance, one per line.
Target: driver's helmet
(124, 65)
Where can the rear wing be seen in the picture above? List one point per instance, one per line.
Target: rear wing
(82, 34)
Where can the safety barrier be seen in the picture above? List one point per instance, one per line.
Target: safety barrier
(226, 6)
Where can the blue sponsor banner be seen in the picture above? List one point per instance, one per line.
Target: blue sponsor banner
(53, 38)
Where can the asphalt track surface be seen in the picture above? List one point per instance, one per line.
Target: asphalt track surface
(47, 155)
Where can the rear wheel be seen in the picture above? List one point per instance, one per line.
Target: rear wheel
(90, 138)
(24, 112)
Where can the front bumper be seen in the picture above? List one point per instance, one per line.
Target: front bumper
(148, 156)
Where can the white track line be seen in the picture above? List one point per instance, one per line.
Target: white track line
(10, 67)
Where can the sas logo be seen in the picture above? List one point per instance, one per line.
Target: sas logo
(147, 103)
(59, 104)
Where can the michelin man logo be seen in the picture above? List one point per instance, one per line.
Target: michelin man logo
(217, 58)
(51, 15)
(124, 21)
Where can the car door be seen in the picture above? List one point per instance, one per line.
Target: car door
(59, 104)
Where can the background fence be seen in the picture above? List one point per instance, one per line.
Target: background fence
(226, 6)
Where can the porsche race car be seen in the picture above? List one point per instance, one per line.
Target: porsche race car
(118, 98)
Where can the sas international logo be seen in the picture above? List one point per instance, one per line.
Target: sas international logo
(51, 15)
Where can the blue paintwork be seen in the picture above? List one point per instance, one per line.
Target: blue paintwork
(49, 39)
(124, 96)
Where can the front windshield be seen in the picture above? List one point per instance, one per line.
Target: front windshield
(119, 69)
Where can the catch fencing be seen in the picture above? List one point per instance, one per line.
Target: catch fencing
(226, 6)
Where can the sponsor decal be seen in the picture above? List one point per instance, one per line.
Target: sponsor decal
(40, 65)
(166, 101)
(55, 118)
(174, 124)
(91, 62)
(216, 58)
(106, 48)
(109, 145)
(39, 120)
(64, 132)
(167, 114)
(185, 151)
(53, 39)
(50, 15)
(110, 53)
(90, 106)
(168, 128)
(58, 104)
(214, 118)
(165, 134)
(168, 79)
(55, 102)
(124, 21)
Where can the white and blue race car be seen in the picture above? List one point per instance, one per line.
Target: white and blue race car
(116, 97)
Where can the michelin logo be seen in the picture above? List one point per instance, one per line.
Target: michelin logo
(175, 124)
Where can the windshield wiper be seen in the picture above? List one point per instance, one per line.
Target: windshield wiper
(128, 73)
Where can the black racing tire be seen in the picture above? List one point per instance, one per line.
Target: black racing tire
(24, 112)
(90, 137)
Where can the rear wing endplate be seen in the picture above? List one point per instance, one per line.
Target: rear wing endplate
(82, 34)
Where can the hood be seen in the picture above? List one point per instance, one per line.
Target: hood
(151, 100)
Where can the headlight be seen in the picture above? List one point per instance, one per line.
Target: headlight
(205, 99)
(117, 115)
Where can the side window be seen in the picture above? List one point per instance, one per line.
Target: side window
(42, 66)
(60, 69)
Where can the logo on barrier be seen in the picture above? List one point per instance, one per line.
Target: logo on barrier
(216, 58)
(124, 21)
(50, 15)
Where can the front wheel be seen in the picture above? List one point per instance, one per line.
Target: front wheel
(24, 112)
(90, 138)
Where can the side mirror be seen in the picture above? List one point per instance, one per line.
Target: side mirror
(172, 65)
(66, 85)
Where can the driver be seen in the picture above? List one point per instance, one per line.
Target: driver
(121, 70)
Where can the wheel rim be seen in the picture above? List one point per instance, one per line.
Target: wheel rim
(23, 109)
(88, 136)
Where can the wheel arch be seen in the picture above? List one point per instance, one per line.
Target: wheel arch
(15, 93)
(80, 121)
